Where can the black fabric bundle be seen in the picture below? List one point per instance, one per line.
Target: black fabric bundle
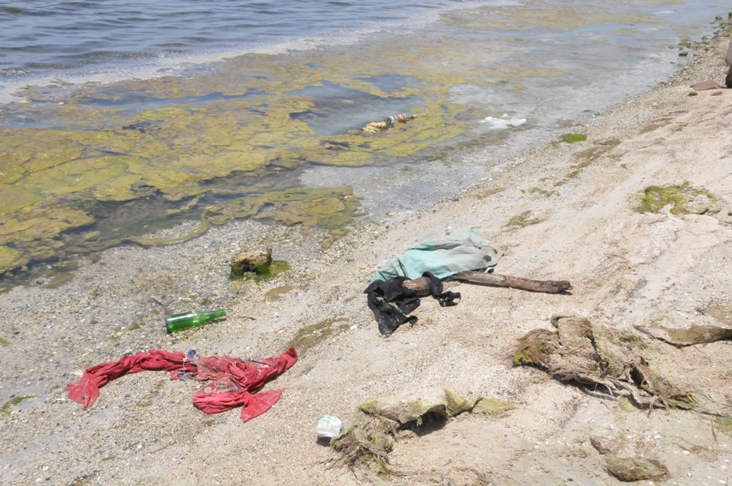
(391, 301)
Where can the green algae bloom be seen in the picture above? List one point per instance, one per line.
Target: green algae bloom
(232, 143)
(574, 137)
(6, 409)
(522, 220)
(683, 199)
(314, 334)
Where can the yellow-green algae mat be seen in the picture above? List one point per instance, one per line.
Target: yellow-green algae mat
(680, 198)
(370, 436)
(98, 148)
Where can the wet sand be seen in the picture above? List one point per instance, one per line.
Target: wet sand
(559, 212)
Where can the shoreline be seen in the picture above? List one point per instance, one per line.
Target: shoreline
(564, 212)
(114, 160)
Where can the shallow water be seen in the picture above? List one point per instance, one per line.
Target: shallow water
(275, 134)
(80, 40)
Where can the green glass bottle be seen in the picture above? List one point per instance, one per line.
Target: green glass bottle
(188, 320)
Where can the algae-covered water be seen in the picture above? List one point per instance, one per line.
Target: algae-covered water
(106, 152)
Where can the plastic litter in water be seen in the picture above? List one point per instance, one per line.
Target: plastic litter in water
(329, 426)
(499, 123)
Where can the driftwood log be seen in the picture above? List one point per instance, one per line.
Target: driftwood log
(420, 286)
(495, 280)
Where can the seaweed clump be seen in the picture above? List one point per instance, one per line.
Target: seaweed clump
(367, 442)
(581, 352)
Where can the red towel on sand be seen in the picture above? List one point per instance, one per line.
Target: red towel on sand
(234, 380)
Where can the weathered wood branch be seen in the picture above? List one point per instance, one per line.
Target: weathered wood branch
(495, 280)
(421, 285)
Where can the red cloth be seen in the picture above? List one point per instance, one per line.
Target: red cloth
(235, 380)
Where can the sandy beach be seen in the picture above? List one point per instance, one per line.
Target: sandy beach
(559, 212)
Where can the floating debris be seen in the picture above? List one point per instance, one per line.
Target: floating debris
(390, 121)
(500, 123)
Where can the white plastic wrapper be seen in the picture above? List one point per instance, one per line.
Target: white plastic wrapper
(329, 426)
(498, 123)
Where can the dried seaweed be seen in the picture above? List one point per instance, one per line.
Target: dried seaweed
(687, 337)
(590, 355)
(366, 444)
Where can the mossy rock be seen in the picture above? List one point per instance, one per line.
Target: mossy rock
(264, 273)
(250, 261)
(492, 407)
(371, 436)
(635, 468)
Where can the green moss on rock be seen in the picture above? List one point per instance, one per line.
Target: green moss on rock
(493, 407)
(635, 468)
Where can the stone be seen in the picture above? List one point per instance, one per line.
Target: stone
(705, 86)
(604, 445)
(250, 261)
(635, 468)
